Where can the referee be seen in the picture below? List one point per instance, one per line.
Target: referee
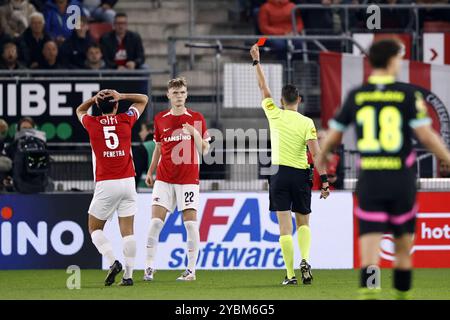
(290, 190)
(386, 114)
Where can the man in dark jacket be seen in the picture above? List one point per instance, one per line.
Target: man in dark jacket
(74, 49)
(32, 41)
(122, 49)
(51, 56)
(9, 59)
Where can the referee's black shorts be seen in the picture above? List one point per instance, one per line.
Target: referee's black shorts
(290, 189)
(386, 202)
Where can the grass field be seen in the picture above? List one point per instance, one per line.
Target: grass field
(248, 284)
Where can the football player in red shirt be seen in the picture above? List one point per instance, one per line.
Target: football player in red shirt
(115, 190)
(180, 135)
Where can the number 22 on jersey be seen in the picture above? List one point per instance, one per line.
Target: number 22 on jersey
(389, 137)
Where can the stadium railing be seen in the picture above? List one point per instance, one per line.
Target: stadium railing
(223, 44)
(245, 169)
(414, 8)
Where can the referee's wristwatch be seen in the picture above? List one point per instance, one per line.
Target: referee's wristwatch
(255, 62)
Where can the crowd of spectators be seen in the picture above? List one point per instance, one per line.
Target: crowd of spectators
(34, 34)
(267, 13)
(274, 17)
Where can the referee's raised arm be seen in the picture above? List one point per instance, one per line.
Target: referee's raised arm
(265, 91)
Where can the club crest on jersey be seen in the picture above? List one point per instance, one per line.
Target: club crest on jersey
(130, 113)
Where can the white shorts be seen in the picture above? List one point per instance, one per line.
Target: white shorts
(170, 196)
(114, 195)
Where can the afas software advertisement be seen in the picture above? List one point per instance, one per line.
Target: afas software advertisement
(237, 231)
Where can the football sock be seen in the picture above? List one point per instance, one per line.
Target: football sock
(156, 226)
(103, 245)
(129, 252)
(402, 283)
(365, 292)
(287, 248)
(193, 241)
(304, 241)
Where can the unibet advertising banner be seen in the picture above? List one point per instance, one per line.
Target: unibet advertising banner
(237, 231)
(52, 103)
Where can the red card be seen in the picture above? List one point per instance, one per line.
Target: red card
(261, 41)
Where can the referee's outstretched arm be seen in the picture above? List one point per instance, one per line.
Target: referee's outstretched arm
(265, 91)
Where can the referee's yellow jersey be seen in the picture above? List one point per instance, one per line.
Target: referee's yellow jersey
(289, 132)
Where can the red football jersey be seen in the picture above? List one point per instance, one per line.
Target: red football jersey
(179, 163)
(110, 137)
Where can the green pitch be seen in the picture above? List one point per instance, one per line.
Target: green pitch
(248, 284)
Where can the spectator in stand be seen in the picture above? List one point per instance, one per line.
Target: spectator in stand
(74, 49)
(14, 17)
(5, 161)
(32, 41)
(324, 22)
(122, 49)
(94, 58)
(433, 15)
(444, 170)
(4, 38)
(275, 19)
(104, 12)
(10, 57)
(397, 19)
(143, 153)
(56, 17)
(248, 9)
(101, 10)
(51, 57)
(38, 4)
(317, 21)
(24, 123)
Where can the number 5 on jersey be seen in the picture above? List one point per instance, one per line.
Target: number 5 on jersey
(111, 138)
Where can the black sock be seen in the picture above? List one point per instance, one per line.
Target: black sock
(364, 277)
(402, 279)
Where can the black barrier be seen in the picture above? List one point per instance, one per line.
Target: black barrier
(52, 103)
(46, 231)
